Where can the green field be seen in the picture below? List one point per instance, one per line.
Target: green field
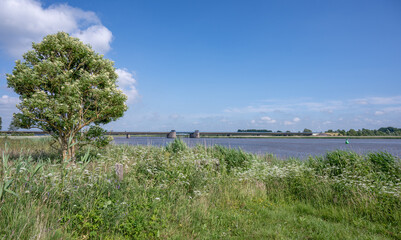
(176, 192)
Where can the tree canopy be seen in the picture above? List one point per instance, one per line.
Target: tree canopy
(65, 87)
(383, 131)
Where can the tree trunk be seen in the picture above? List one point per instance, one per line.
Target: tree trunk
(68, 150)
(72, 150)
(64, 148)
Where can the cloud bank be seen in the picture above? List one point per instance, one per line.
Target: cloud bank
(25, 21)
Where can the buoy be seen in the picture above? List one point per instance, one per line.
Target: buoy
(346, 141)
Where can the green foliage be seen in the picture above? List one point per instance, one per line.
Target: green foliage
(385, 164)
(231, 158)
(95, 136)
(65, 86)
(176, 146)
(384, 131)
(15, 122)
(335, 162)
(306, 130)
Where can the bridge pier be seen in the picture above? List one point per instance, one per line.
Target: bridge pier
(172, 134)
(195, 134)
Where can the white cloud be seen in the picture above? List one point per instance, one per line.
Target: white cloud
(6, 100)
(288, 123)
(333, 106)
(98, 36)
(393, 109)
(25, 21)
(263, 120)
(378, 100)
(267, 119)
(295, 120)
(261, 109)
(388, 110)
(126, 82)
(7, 107)
(289, 106)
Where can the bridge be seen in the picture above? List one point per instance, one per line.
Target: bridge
(174, 134)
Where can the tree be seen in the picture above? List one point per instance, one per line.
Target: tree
(307, 130)
(13, 125)
(352, 132)
(65, 87)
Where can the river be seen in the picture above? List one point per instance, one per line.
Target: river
(282, 147)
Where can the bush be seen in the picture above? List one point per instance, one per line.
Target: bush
(177, 146)
(383, 162)
(231, 158)
(334, 163)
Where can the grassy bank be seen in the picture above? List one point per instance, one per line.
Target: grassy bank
(195, 193)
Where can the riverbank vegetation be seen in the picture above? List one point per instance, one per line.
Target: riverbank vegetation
(384, 131)
(195, 193)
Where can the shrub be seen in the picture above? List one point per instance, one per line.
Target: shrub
(176, 146)
(231, 158)
(334, 163)
(383, 162)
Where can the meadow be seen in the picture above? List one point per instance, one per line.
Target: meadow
(176, 192)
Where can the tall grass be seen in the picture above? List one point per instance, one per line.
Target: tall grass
(196, 193)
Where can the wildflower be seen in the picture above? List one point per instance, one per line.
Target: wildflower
(158, 199)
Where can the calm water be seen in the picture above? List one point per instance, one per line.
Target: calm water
(281, 147)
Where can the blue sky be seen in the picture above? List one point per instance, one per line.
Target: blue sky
(227, 65)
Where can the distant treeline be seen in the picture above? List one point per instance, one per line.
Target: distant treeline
(384, 131)
(269, 131)
(254, 130)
